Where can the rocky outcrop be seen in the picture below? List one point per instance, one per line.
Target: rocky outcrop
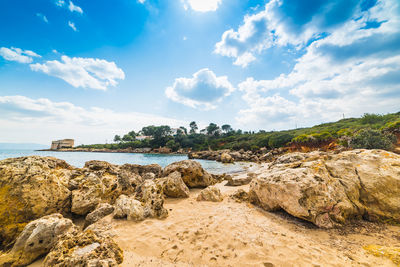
(31, 187)
(210, 193)
(240, 180)
(173, 186)
(240, 196)
(193, 175)
(151, 195)
(226, 158)
(143, 169)
(102, 210)
(129, 208)
(36, 240)
(87, 248)
(330, 189)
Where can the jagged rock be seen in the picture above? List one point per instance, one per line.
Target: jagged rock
(149, 176)
(37, 238)
(173, 186)
(143, 169)
(226, 158)
(102, 210)
(210, 193)
(193, 175)
(240, 196)
(152, 197)
(86, 248)
(332, 189)
(30, 188)
(129, 208)
(240, 180)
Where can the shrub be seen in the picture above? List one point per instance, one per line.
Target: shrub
(279, 140)
(369, 118)
(392, 126)
(372, 139)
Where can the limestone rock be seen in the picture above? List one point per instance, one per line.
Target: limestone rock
(102, 210)
(129, 208)
(226, 158)
(86, 248)
(143, 169)
(174, 186)
(332, 189)
(30, 188)
(240, 180)
(151, 195)
(240, 196)
(149, 176)
(37, 238)
(210, 193)
(193, 175)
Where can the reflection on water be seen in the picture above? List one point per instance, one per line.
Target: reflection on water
(78, 159)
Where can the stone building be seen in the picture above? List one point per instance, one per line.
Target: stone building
(64, 143)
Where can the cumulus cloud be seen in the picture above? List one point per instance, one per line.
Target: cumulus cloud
(284, 22)
(72, 26)
(17, 54)
(74, 8)
(201, 91)
(42, 17)
(83, 72)
(201, 5)
(41, 120)
(355, 69)
(60, 3)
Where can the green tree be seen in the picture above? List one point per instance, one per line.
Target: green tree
(226, 128)
(127, 138)
(117, 138)
(212, 129)
(193, 127)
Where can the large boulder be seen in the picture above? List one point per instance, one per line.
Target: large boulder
(173, 186)
(87, 248)
(332, 189)
(143, 169)
(226, 158)
(151, 195)
(193, 175)
(30, 188)
(37, 238)
(128, 208)
(210, 193)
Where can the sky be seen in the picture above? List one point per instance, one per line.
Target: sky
(88, 70)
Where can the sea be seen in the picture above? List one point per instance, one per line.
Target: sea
(78, 159)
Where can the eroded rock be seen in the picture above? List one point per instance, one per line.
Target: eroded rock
(210, 193)
(332, 189)
(173, 186)
(102, 210)
(129, 208)
(193, 175)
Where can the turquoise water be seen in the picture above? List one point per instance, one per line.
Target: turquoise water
(78, 159)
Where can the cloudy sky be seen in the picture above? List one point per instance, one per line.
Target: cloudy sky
(91, 69)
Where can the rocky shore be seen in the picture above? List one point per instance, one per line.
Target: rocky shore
(106, 215)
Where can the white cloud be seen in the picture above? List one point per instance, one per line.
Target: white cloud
(75, 8)
(43, 17)
(60, 3)
(83, 72)
(141, 1)
(17, 54)
(354, 70)
(202, 91)
(201, 5)
(41, 120)
(72, 25)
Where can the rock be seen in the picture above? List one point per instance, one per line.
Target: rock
(211, 193)
(226, 158)
(240, 180)
(143, 169)
(30, 188)
(174, 186)
(332, 189)
(102, 210)
(149, 176)
(86, 248)
(240, 196)
(129, 208)
(152, 197)
(193, 175)
(37, 238)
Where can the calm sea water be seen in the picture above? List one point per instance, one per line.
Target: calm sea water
(78, 159)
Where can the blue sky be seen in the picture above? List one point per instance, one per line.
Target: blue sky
(91, 69)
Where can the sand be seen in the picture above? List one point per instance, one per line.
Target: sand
(229, 233)
(239, 234)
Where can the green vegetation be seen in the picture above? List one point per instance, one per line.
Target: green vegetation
(369, 131)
